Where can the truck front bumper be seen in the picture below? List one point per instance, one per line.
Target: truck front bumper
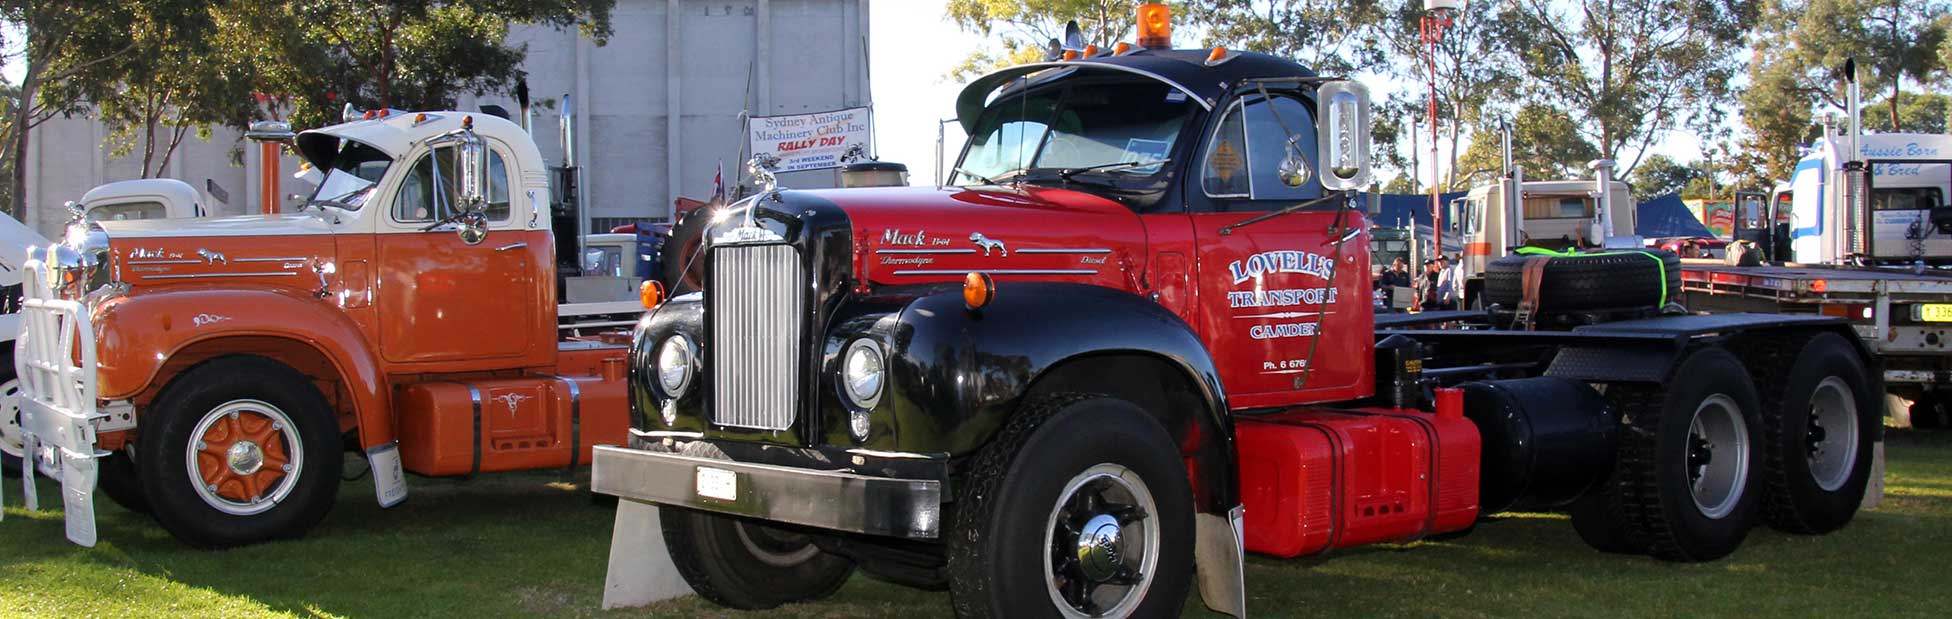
(839, 501)
(54, 358)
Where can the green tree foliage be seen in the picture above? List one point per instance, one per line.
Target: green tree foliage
(1545, 141)
(1918, 112)
(1660, 175)
(1027, 26)
(62, 41)
(1628, 71)
(175, 81)
(1895, 42)
(1469, 89)
(1333, 37)
(406, 54)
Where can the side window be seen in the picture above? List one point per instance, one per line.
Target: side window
(432, 189)
(1244, 158)
(1224, 174)
(1270, 130)
(128, 210)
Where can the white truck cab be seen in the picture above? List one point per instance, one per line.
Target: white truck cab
(1910, 173)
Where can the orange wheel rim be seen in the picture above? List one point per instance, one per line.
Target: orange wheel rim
(244, 457)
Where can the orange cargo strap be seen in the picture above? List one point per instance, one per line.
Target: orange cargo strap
(1528, 304)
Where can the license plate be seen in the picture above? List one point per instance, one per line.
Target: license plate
(718, 483)
(1934, 312)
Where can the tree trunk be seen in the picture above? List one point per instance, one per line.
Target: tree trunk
(1894, 105)
(30, 85)
(149, 114)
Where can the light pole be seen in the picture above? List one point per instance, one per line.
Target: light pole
(1435, 19)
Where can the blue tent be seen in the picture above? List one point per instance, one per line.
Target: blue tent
(1667, 216)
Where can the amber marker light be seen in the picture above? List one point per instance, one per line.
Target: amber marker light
(467, 122)
(1121, 48)
(1090, 50)
(977, 290)
(1219, 54)
(1155, 26)
(651, 293)
(1070, 54)
(420, 118)
(1820, 286)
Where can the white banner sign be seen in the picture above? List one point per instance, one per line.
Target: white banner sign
(810, 141)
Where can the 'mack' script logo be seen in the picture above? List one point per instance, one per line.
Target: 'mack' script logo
(1285, 261)
(918, 238)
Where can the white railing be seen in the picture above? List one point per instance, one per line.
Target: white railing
(55, 359)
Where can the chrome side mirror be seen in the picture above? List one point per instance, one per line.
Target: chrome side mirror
(1342, 128)
(1294, 167)
(270, 131)
(472, 227)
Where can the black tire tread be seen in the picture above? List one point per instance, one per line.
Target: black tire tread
(1769, 360)
(983, 482)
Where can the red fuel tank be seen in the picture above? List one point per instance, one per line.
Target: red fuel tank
(1315, 479)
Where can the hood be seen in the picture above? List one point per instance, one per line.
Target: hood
(285, 251)
(243, 225)
(923, 234)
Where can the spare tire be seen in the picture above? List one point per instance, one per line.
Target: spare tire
(1602, 280)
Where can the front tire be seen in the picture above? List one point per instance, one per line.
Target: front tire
(10, 437)
(1690, 465)
(1080, 507)
(747, 565)
(239, 450)
(1822, 416)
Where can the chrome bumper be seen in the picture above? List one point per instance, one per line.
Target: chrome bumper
(58, 413)
(908, 508)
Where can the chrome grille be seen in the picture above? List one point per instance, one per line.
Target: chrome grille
(754, 300)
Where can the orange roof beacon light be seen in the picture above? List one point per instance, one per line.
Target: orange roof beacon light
(977, 290)
(651, 293)
(1155, 26)
(1121, 48)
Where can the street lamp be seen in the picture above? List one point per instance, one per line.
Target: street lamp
(1435, 19)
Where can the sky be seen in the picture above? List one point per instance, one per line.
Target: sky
(912, 46)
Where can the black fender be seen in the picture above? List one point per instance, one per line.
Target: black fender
(957, 375)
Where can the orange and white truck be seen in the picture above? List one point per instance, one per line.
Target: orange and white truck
(212, 372)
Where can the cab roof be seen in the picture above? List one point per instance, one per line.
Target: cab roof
(397, 133)
(1184, 69)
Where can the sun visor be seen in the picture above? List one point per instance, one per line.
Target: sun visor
(318, 148)
(969, 104)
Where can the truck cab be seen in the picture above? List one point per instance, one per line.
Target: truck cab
(210, 371)
(1492, 220)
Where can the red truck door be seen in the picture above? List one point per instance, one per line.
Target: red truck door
(1286, 313)
(439, 298)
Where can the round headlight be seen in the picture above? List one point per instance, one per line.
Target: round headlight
(861, 371)
(674, 365)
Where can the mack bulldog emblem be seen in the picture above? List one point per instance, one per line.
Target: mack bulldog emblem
(988, 244)
(212, 257)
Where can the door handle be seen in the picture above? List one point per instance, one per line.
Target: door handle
(512, 246)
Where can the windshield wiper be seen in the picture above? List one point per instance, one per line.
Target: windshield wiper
(1067, 173)
(986, 180)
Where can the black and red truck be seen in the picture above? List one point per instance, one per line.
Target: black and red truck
(1133, 341)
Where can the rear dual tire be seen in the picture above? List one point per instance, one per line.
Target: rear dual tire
(1823, 416)
(1688, 478)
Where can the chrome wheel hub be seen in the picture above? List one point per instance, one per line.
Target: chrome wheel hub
(1100, 548)
(1717, 456)
(1831, 438)
(1102, 543)
(245, 457)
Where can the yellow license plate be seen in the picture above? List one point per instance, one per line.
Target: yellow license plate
(1934, 312)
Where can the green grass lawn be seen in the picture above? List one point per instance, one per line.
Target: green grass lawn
(535, 546)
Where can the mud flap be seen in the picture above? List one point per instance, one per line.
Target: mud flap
(78, 494)
(1874, 490)
(640, 570)
(1219, 559)
(389, 480)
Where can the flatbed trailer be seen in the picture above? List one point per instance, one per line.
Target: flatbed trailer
(1902, 315)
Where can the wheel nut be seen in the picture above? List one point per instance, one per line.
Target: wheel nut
(287, 467)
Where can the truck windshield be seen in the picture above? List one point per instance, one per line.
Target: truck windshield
(1077, 124)
(353, 174)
